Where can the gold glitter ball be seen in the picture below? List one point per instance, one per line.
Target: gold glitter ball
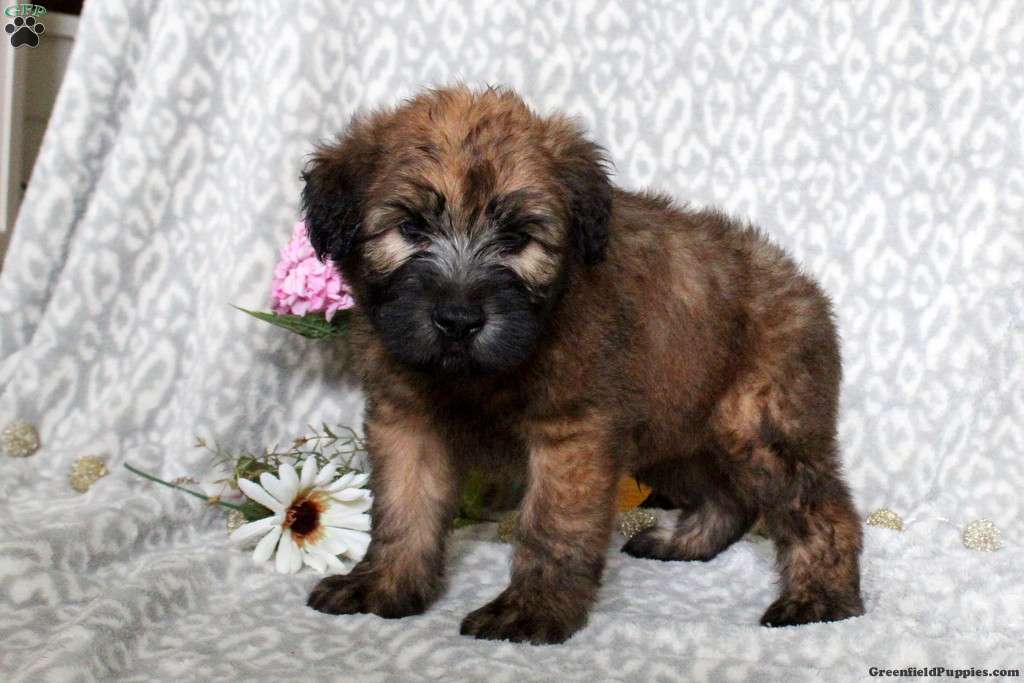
(235, 520)
(19, 439)
(86, 471)
(507, 528)
(636, 520)
(886, 519)
(982, 535)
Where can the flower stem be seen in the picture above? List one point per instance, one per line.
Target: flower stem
(144, 475)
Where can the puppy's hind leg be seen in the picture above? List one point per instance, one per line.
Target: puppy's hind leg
(817, 538)
(807, 511)
(702, 532)
(710, 518)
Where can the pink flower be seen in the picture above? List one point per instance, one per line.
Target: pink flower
(302, 284)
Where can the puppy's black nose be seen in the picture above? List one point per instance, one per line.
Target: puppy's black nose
(458, 321)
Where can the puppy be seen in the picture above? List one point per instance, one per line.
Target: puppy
(516, 309)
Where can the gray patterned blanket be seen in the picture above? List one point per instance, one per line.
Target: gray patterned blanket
(880, 142)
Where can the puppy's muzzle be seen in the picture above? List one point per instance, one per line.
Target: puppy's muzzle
(458, 322)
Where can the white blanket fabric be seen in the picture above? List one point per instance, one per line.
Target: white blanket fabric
(880, 142)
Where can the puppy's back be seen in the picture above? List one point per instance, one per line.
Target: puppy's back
(709, 297)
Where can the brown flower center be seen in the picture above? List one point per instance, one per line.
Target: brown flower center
(303, 518)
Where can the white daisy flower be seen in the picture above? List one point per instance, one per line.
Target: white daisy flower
(316, 520)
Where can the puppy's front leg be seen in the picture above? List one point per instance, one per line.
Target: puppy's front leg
(414, 488)
(562, 537)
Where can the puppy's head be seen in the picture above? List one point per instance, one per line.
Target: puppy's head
(457, 218)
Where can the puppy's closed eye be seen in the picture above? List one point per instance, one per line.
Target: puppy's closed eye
(514, 241)
(414, 231)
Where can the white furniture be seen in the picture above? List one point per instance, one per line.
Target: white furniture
(29, 80)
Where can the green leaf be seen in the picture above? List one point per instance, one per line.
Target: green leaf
(472, 504)
(252, 511)
(313, 326)
(460, 522)
(248, 467)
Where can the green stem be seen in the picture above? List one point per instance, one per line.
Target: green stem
(200, 496)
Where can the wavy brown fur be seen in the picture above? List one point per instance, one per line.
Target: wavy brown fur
(626, 335)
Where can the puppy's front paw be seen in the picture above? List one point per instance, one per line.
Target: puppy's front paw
(510, 618)
(357, 593)
(340, 594)
(791, 611)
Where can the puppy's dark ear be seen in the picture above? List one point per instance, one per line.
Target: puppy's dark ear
(336, 178)
(582, 168)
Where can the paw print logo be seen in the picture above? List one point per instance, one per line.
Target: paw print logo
(24, 31)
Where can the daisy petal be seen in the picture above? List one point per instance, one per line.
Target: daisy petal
(286, 551)
(334, 565)
(352, 506)
(357, 542)
(265, 548)
(308, 475)
(253, 529)
(359, 480)
(274, 487)
(351, 494)
(350, 481)
(257, 493)
(315, 561)
(346, 520)
(346, 565)
(327, 473)
(342, 482)
(332, 543)
(289, 480)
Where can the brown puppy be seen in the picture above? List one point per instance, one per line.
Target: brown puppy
(516, 310)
